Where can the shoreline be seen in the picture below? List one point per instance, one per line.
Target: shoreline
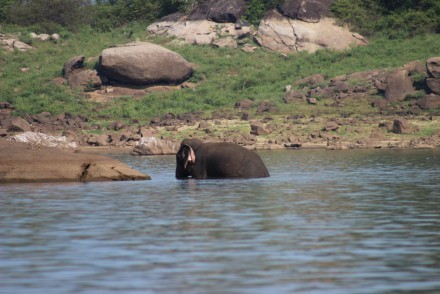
(265, 132)
(383, 145)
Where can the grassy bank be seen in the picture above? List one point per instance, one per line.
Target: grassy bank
(224, 76)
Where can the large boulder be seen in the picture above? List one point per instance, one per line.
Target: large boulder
(219, 11)
(398, 85)
(19, 163)
(283, 34)
(306, 10)
(144, 63)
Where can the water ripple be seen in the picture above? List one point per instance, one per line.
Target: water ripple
(324, 222)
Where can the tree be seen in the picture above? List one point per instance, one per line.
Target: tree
(49, 14)
(4, 7)
(255, 9)
(393, 18)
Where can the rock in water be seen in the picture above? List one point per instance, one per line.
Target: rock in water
(20, 163)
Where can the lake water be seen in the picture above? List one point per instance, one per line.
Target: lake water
(365, 221)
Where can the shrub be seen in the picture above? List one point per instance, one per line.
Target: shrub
(255, 9)
(4, 8)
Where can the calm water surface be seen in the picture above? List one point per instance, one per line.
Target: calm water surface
(324, 222)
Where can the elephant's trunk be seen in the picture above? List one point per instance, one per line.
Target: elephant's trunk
(191, 158)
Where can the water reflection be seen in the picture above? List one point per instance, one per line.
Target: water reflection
(324, 222)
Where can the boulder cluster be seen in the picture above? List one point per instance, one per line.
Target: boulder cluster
(414, 81)
(12, 42)
(297, 25)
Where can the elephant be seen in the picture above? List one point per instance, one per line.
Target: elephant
(199, 160)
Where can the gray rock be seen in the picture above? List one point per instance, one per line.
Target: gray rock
(306, 10)
(85, 80)
(219, 11)
(154, 146)
(144, 63)
(74, 63)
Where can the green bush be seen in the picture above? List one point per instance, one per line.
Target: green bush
(255, 9)
(391, 18)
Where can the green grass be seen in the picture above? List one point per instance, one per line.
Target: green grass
(224, 76)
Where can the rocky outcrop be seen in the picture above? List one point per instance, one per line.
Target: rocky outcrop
(79, 78)
(144, 63)
(199, 32)
(302, 25)
(220, 11)
(283, 34)
(20, 163)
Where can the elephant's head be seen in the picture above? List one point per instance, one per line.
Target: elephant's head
(186, 157)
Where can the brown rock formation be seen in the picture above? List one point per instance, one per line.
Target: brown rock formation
(20, 162)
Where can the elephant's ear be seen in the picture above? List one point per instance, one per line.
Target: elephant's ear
(191, 159)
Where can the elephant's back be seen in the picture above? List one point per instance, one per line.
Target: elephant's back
(232, 160)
